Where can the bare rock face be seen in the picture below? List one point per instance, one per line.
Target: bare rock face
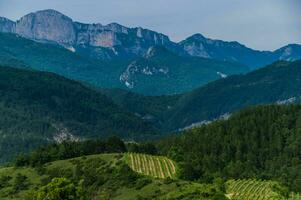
(117, 41)
(47, 25)
(7, 26)
(96, 35)
(112, 40)
(141, 67)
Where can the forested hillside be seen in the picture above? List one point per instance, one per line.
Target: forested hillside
(17, 51)
(263, 142)
(276, 83)
(39, 108)
(160, 72)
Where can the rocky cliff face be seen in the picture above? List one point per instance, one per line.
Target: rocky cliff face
(134, 41)
(7, 26)
(52, 26)
(47, 25)
(200, 46)
(117, 41)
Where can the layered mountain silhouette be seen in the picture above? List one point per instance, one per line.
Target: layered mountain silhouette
(114, 41)
(278, 83)
(158, 72)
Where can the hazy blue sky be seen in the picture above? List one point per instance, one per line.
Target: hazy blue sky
(260, 24)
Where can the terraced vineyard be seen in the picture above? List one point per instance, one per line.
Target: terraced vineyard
(252, 189)
(155, 166)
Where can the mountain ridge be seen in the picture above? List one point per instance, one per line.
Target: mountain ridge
(115, 41)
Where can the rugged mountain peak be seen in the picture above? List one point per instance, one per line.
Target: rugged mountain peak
(7, 26)
(290, 52)
(47, 25)
(117, 41)
(50, 12)
(198, 37)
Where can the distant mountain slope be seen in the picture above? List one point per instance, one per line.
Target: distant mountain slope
(96, 40)
(37, 108)
(163, 72)
(200, 46)
(53, 58)
(159, 72)
(279, 82)
(114, 41)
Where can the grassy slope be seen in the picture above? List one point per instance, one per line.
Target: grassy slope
(113, 186)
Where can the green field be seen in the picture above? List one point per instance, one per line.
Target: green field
(154, 166)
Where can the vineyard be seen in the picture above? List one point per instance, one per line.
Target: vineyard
(155, 166)
(255, 190)
(252, 189)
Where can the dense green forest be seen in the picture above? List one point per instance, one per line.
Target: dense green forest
(38, 108)
(263, 142)
(154, 109)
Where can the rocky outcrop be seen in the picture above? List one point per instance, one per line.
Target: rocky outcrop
(53, 26)
(7, 26)
(117, 41)
(47, 25)
(141, 67)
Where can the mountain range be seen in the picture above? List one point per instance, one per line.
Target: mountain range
(114, 41)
